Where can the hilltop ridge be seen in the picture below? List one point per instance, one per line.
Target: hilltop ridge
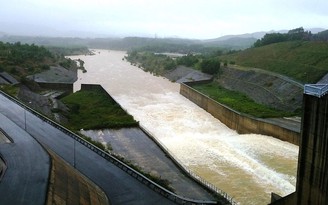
(303, 61)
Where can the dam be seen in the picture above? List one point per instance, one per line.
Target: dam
(248, 167)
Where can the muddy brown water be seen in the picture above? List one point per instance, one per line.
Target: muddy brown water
(248, 167)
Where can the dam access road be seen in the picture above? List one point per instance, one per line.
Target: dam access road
(119, 187)
(26, 178)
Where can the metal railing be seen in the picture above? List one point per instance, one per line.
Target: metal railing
(132, 172)
(317, 90)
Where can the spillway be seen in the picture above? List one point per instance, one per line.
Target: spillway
(248, 167)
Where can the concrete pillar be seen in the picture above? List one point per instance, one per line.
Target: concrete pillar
(312, 177)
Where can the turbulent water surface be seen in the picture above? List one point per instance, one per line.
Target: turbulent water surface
(248, 167)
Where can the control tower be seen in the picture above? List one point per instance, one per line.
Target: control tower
(312, 175)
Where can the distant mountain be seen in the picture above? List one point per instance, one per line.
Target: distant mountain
(233, 42)
(256, 35)
(316, 30)
(259, 35)
(228, 42)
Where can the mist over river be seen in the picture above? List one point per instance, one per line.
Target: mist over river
(248, 167)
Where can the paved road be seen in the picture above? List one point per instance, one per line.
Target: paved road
(120, 187)
(26, 178)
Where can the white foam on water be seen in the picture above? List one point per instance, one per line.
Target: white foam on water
(196, 138)
(249, 166)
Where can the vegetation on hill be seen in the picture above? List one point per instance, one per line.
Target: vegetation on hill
(188, 60)
(21, 60)
(151, 62)
(161, 63)
(298, 54)
(95, 109)
(210, 65)
(304, 61)
(297, 34)
(68, 50)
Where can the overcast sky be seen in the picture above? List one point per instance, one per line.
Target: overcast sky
(200, 19)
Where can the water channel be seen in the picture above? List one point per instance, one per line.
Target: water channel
(248, 167)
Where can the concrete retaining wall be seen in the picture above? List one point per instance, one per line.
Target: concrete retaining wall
(92, 87)
(242, 123)
(287, 200)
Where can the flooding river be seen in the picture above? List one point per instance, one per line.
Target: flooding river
(248, 167)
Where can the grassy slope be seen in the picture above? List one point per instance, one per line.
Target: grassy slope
(303, 61)
(239, 101)
(96, 110)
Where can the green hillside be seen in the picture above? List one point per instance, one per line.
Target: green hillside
(304, 61)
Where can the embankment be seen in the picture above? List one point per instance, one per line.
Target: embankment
(242, 123)
(263, 87)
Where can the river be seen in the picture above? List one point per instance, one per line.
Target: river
(248, 167)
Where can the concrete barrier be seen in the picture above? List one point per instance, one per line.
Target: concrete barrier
(242, 123)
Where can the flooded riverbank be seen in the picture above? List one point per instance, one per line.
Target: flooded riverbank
(247, 167)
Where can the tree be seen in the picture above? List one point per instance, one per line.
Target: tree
(188, 60)
(296, 34)
(210, 66)
(270, 38)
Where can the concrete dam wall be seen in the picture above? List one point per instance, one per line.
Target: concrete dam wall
(242, 123)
